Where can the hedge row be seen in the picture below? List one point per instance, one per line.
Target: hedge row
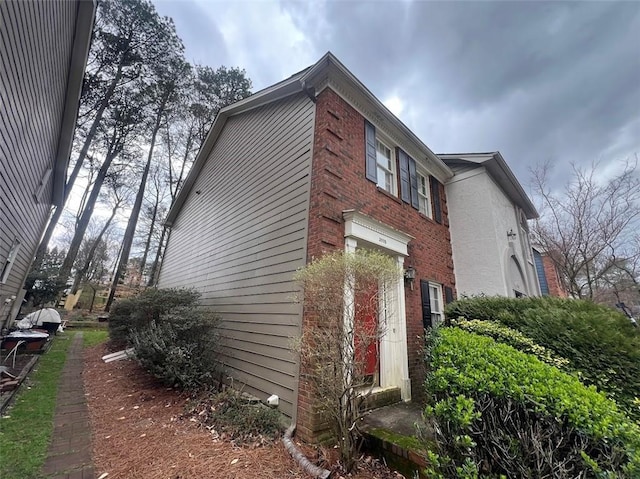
(600, 343)
(512, 337)
(499, 411)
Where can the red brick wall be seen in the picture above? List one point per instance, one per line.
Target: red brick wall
(338, 183)
(553, 279)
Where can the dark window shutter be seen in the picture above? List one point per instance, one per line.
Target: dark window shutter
(405, 185)
(435, 193)
(370, 152)
(448, 295)
(413, 175)
(426, 304)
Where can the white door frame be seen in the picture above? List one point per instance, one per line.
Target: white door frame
(394, 360)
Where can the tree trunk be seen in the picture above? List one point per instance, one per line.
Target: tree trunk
(42, 247)
(65, 269)
(174, 194)
(147, 243)
(135, 212)
(156, 261)
(92, 251)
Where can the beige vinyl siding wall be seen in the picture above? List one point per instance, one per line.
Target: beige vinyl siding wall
(36, 40)
(241, 235)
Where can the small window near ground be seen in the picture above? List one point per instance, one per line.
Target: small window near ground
(435, 297)
(424, 195)
(386, 167)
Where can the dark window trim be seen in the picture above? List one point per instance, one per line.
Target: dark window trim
(370, 156)
(435, 196)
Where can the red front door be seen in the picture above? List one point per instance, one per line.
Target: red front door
(366, 340)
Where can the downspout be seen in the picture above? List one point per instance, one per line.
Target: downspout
(303, 462)
(309, 90)
(294, 452)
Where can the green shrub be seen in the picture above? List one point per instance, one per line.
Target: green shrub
(132, 314)
(174, 339)
(600, 343)
(506, 412)
(121, 319)
(512, 337)
(181, 349)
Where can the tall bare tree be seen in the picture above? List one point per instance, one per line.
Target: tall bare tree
(165, 88)
(124, 122)
(125, 37)
(152, 212)
(118, 190)
(589, 226)
(210, 91)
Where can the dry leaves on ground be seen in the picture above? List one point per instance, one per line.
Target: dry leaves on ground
(138, 434)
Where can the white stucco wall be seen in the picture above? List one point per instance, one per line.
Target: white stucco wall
(480, 215)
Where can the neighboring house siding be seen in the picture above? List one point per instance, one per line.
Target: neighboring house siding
(542, 277)
(506, 218)
(241, 235)
(339, 183)
(476, 253)
(481, 215)
(553, 278)
(36, 40)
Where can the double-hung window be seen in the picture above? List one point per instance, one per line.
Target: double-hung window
(386, 166)
(432, 302)
(435, 297)
(424, 194)
(380, 160)
(392, 169)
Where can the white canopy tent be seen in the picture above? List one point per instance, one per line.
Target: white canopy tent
(38, 318)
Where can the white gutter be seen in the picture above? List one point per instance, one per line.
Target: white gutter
(81, 42)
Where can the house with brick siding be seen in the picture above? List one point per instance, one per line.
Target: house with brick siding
(313, 164)
(488, 213)
(43, 52)
(548, 274)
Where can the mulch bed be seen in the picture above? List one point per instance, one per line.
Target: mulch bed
(140, 432)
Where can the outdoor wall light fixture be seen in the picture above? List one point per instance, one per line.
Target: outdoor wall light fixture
(410, 275)
(511, 235)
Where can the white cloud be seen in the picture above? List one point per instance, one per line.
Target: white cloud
(395, 104)
(263, 38)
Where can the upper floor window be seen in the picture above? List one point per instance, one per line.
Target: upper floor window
(424, 195)
(393, 170)
(385, 167)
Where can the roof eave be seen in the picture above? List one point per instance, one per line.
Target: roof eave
(497, 167)
(79, 55)
(525, 203)
(300, 81)
(316, 75)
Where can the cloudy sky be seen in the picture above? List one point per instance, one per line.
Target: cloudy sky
(538, 81)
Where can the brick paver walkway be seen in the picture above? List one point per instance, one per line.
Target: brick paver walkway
(69, 454)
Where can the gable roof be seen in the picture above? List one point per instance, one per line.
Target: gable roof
(81, 42)
(499, 171)
(328, 71)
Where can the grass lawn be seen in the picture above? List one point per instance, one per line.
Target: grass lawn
(26, 429)
(92, 337)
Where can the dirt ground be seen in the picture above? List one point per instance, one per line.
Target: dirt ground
(138, 433)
